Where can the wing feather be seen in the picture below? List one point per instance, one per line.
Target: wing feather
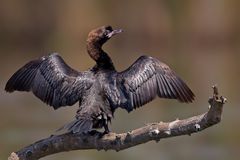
(51, 80)
(146, 79)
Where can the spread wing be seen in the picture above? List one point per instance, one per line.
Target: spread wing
(144, 80)
(51, 80)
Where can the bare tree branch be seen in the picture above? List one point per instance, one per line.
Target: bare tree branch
(113, 141)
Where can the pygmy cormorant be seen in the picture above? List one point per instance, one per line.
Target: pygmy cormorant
(101, 89)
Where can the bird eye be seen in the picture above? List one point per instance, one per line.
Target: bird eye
(109, 28)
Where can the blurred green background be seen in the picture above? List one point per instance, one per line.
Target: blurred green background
(199, 39)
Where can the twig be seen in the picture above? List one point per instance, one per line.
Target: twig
(113, 141)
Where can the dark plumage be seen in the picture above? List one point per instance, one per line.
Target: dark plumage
(101, 89)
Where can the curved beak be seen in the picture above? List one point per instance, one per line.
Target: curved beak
(114, 32)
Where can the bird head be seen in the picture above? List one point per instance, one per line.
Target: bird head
(100, 35)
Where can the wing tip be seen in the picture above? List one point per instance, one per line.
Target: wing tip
(22, 79)
(11, 86)
(189, 98)
(9, 89)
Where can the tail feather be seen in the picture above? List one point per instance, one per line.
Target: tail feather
(85, 126)
(77, 126)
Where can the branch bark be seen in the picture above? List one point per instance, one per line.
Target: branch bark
(113, 141)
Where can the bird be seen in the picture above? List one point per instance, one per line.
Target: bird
(101, 89)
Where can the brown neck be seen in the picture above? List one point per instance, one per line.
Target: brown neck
(96, 53)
